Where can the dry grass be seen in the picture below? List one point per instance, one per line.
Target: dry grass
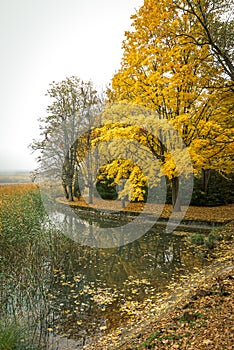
(13, 188)
(10, 190)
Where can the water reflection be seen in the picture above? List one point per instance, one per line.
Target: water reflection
(89, 231)
(74, 291)
(90, 290)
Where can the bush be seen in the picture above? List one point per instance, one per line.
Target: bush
(106, 189)
(197, 239)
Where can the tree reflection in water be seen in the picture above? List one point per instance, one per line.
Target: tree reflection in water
(91, 284)
(76, 291)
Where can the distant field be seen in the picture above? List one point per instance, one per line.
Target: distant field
(15, 177)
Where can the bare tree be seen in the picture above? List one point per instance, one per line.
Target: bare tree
(68, 119)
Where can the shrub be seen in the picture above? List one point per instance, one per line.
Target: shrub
(197, 239)
(107, 189)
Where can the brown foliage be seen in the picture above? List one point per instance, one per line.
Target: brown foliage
(205, 321)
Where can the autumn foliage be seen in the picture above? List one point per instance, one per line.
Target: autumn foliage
(165, 71)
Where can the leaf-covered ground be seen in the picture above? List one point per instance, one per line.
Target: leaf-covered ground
(220, 214)
(204, 321)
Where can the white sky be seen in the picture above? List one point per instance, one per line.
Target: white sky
(46, 40)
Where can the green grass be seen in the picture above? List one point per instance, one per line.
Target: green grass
(14, 336)
(197, 239)
(211, 240)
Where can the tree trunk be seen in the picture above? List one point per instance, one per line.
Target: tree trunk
(70, 193)
(205, 180)
(175, 194)
(65, 190)
(90, 187)
(77, 192)
(67, 178)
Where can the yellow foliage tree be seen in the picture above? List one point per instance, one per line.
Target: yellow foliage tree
(164, 71)
(142, 148)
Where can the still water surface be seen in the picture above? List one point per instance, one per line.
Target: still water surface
(92, 291)
(83, 291)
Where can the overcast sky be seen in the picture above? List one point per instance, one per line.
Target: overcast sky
(48, 40)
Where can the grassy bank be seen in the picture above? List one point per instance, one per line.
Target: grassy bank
(23, 243)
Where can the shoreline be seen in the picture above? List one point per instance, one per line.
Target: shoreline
(187, 222)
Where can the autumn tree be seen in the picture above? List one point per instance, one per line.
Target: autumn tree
(69, 116)
(139, 154)
(216, 19)
(167, 72)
